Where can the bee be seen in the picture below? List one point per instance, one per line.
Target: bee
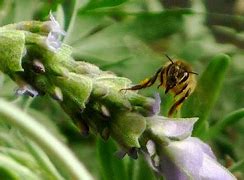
(176, 77)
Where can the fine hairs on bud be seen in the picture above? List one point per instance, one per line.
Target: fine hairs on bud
(26, 90)
(38, 67)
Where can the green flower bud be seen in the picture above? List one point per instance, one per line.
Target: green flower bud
(12, 49)
(107, 89)
(127, 128)
(76, 87)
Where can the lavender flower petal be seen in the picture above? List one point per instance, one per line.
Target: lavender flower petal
(151, 147)
(205, 147)
(170, 170)
(178, 129)
(211, 169)
(191, 159)
(55, 27)
(52, 42)
(186, 157)
(156, 106)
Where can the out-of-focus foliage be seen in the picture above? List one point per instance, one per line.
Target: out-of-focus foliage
(129, 37)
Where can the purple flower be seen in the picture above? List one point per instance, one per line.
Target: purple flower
(156, 106)
(54, 26)
(26, 90)
(183, 157)
(176, 129)
(52, 41)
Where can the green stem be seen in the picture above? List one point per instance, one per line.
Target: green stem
(54, 148)
(230, 119)
(72, 21)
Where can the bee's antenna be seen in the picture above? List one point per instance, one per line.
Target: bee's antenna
(193, 72)
(169, 58)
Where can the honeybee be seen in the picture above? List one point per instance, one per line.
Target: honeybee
(176, 77)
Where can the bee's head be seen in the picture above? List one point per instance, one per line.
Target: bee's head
(176, 73)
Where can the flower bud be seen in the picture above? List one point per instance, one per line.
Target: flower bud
(12, 43)
(127, 128)
(77, 87)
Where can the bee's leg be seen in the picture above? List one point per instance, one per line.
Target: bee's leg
(181, 90)
(145, 83)
(178, 103)
(161, 77)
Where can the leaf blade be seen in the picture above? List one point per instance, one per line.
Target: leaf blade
(207, 92)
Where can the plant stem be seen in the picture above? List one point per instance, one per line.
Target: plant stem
(54, 148)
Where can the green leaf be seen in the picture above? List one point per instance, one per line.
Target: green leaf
(8, 174)
(239, 166)
(87, 25)
(16, 169)
(75, 6)
(153, 26)
(43, 161)
(100, 49)
(111, 167)
(5, 11)
(21, 157)
(119, 53)
(144, 171)
(90, 38)
(127, 129)
(12, 49)
(132, 168)
(201, 103)
(20, 12)
(54, 148)
(229, 120)
(148, 26)
(103, 3)
(60, 16)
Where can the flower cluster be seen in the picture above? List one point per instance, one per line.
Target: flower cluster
(32, 54)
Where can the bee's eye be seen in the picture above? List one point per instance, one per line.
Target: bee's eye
(184, 77)
(181, 74)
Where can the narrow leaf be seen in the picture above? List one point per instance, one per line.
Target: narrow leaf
(230, 119)
(207, 92)
(20, 171)
(239, 166)
(144, 171)
(102, 4)
(54, 148)
(44, 161)
(77, 4)
(111, 167)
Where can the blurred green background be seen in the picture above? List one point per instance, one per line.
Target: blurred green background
(130, 38)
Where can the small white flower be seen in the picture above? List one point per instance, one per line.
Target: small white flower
(55, 26)
(52, 41)
(26, 90)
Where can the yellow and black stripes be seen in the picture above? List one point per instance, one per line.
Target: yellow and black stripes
(176, 77)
